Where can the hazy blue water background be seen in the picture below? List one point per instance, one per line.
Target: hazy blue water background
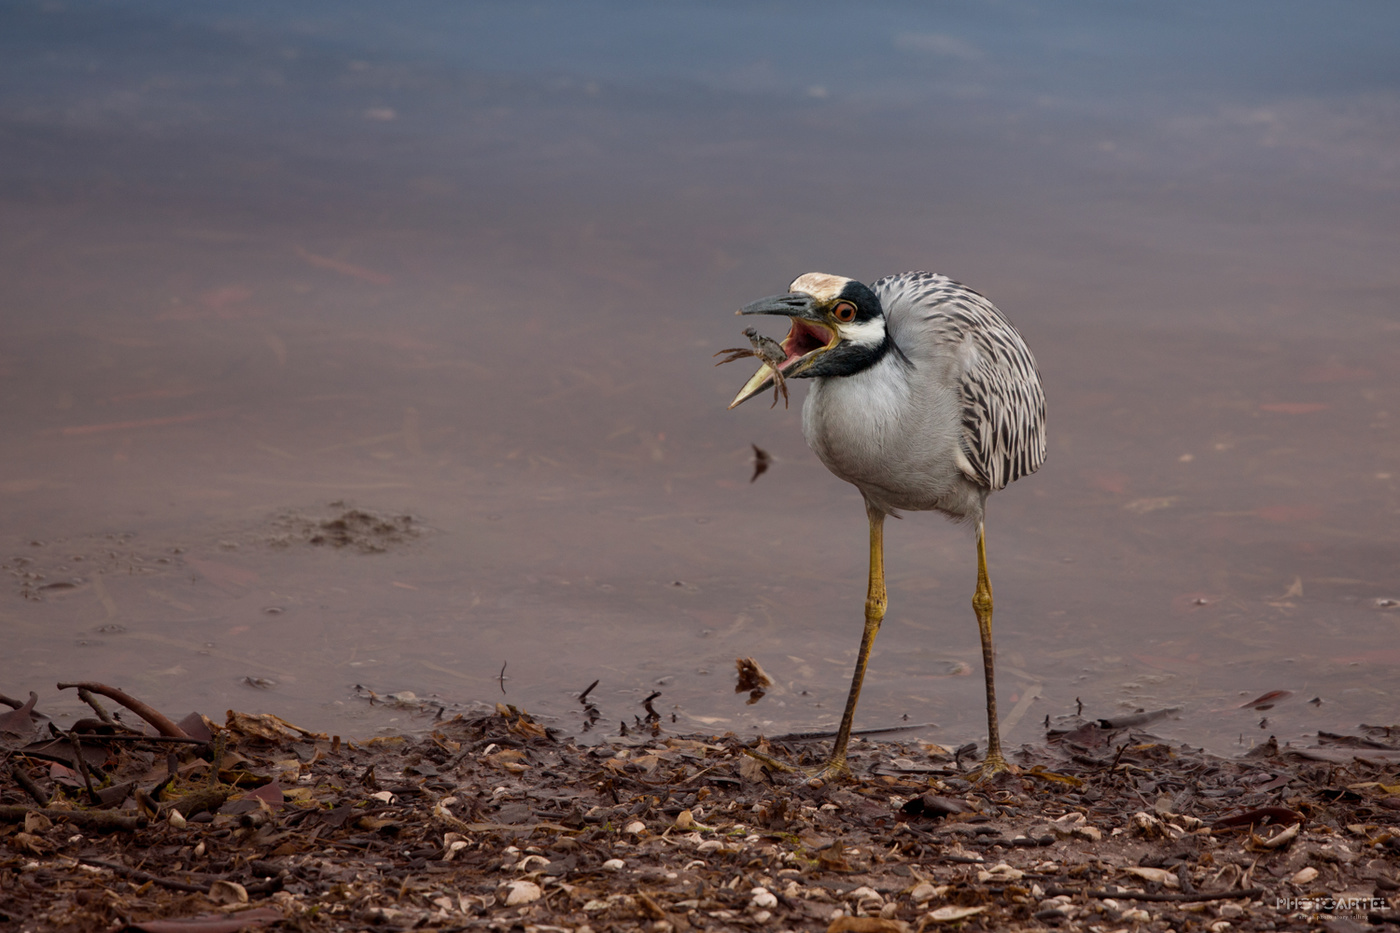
(470, 261)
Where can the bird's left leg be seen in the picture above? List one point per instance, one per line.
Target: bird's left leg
(875, 602)
(994, 762)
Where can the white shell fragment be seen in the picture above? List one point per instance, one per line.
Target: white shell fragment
(950, 913)
(1156, 875)
(522, 892)
(1001, 872)
(227, 892)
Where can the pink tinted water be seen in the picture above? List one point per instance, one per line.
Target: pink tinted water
(490, 299)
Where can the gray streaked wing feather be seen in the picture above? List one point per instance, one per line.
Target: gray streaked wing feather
(1003, 415)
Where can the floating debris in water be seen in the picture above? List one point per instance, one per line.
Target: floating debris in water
(752, 678)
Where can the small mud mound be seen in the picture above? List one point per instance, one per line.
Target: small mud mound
(59, 567)
(346, 527)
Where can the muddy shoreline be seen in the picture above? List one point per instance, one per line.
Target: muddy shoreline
(496, 822)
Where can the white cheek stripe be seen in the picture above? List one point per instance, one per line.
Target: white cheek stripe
(864, 334)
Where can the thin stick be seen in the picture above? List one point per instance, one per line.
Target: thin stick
(98, 737)
(885, 730)
(135, 874)
(12, 703)
(159, 720)
(88, 819)
(22, 778)
(86, 696)
(81, 762)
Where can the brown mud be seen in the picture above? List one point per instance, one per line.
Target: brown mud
(498, 823)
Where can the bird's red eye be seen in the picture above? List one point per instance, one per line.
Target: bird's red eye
(845, 312)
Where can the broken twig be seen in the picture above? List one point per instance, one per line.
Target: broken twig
(157, 719)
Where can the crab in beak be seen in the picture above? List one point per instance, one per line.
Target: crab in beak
(809, 338)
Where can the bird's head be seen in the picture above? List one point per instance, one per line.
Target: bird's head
(838, 328)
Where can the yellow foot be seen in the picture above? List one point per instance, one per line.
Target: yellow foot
(990, 768)
(833, 770)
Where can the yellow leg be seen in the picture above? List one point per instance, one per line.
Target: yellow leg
(982, 605)
(875, 603)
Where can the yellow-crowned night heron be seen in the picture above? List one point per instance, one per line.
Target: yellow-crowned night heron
(924, 397)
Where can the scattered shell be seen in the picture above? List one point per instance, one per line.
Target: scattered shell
(635, 828)
(522, 892)
(1001, 872)
(762, 897)
(1303, 875)
(1147, 826)
(1278, 841)
(614, 864)
(1074, 824)
(1155, 875)
(227, 892)
(951, 913)
(1188, 823)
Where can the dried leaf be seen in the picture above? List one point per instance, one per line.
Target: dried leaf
(20, 721)
(1039, 772)
(267, 726)
(1267, 700)
(751, 769)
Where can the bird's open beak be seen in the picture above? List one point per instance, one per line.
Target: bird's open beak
(809, 338)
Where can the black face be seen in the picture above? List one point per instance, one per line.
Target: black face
(838, 329)
(860, 320)
(866, 306)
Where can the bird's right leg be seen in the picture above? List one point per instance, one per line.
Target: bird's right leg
(994, 763)
(875, 603)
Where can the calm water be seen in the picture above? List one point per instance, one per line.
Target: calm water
(470, 263)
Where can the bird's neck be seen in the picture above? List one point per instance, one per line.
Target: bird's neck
(847, 359)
